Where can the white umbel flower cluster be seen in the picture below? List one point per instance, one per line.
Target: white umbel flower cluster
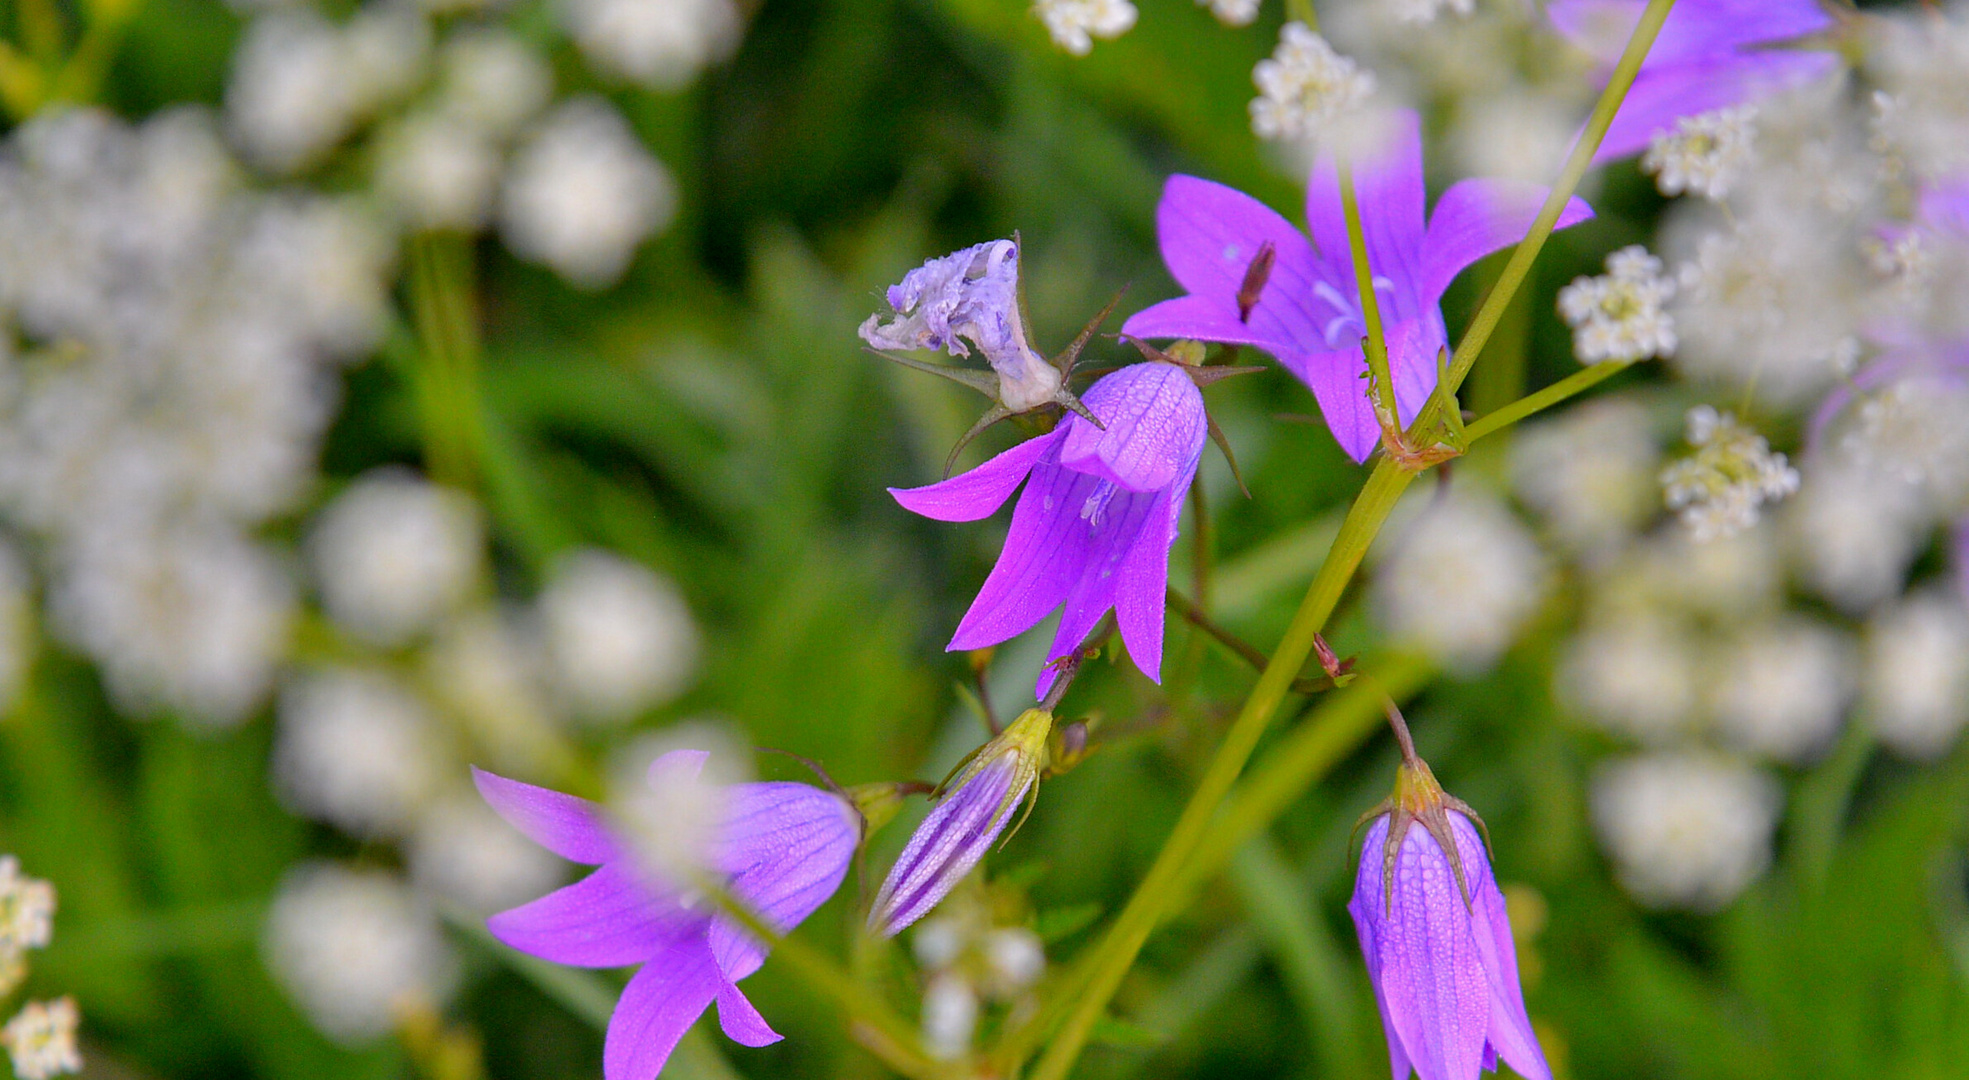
(1464, 576)
(583, 192)
(181, 338)
(1718, 491)
(1705, 154)
(392, 554)
(1074, 24)
(1305, 87)
(27, 910)
(301, 84)
(1621, 316)
(1232, 12)
(1917, 674)
(968, 959)
(620, 636)
(354, 947)
(41, 1040)
(1781, 690)
(662, 44)
(1426, 11)
(1590, 474)
(356, 750)
(1685, 830)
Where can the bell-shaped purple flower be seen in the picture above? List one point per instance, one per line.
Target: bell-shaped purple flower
(1306, 311)
(1437, 942)
(976, 807)
(1710, 54)
(1093, 529)
(970, 295)
(781, 849)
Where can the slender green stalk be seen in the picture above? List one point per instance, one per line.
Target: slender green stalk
(1579, 381)
(1576, 165)
(1116, 951)
(1093, 982)
(1381, 383)
(447, 375)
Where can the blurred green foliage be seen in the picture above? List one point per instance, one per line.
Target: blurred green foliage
(714, 416)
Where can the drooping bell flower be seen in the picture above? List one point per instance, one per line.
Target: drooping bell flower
(781, 849)
(1254, 279)
(1093, 529)
(1436, 939)
(977, 803)
(1710, 55)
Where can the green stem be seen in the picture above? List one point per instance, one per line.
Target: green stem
(1577, 163)
(1094, 981)
(1575, 383)
(447, 375)
(1380, 384)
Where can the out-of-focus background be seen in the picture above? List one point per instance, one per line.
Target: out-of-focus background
(389, 387)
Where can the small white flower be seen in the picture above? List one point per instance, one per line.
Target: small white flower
(620, 636)
(1305, 87)
(1733, 472)
(1232, 12)
(1916, 430)
(353, 947)
(1685, 830)
(41, 1039)
(438, 172)
(1425, 11)
(1636, 676)
(393, 553)
(464, 852)
(1782, 690)
(669, 795)
(1464, 576)
(659, 43)
(1917, 674)
(356, 750)
(1074, 24)
(493, 80)
(1591, 473)
(1855, 533)
(582, 193)
(27, 909)
(950, 1016)
(1704, 154)
(1015, 957)
(1619, 316)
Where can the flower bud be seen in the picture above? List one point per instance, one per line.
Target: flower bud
(977, 803)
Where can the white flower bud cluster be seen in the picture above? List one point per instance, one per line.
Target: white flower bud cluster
(1718, 491)
(1232, 12)
(1917, 673)
(1620, 315)
(355, 947)
(1074, 24)
(41, 1039)
(1463, 577)
(968, 959)
(663, 44)
(1426, 11)
(1703, 155)
(582, 193)
(1685, 830)
(1305, 87)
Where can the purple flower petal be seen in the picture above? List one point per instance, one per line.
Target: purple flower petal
(1142, 584)
(1044, 551)
(1510, 1032)
(611, 918)
(1366, 928)
(1155, 428)
(980, 492)
(1696, 30)
(957, 833)
(661, 1003)
(1389, 187)
(1113, 521)
(785, 847)
(567, 826)
(1209, 234)
(1338, 381)
(1431, 971)
(741, 1021)
(1477, 217)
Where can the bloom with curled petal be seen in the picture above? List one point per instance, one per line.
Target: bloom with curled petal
(1093, 529)
(1438, 944)
(961, 829)
(781, 849)
(1307, 311)
(1710, 54)
(970, 295)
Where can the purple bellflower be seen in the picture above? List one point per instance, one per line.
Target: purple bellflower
(1307, 311)
(1438, 945)
(1093, 529)
(782, 849)
(976, 806)
(970, 295)
(1710, 54)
